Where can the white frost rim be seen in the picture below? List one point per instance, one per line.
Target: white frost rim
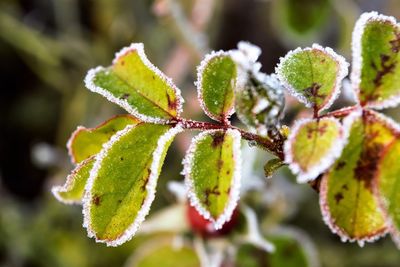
(200, 70)
(323, 202)
(324, 163)
(234, 193)
(150, 187)
(356, 47)
(139, 47)
(69, 184)
(343, 66)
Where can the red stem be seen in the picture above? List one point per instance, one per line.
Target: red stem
(341, 112)
(274, 146)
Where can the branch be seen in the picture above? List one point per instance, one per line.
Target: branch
(271, 144)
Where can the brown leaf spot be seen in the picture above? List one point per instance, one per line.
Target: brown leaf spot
(220, 163)
(171, 104)
(319, 128)
(218, 139)
(338, 197)
(395, 43)
(313, 92)
(387, 66)
(367, 164)
(340, 165)
(96, 200)
(208, 192)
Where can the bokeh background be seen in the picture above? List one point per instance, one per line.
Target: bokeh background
(46, 48)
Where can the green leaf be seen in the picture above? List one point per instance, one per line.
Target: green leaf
(122, 184)
(347, 201)
(162, 252)
(376, 57)
(73, 189)
(387, 180)
(312, 147)
(138, 86)
(86, 142)
(212, 174)
(216, 80)
(313, 75)
(272, 166)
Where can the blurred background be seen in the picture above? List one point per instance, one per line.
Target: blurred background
(46, 48)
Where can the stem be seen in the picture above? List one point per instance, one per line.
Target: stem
(275, 146)
(341, 112)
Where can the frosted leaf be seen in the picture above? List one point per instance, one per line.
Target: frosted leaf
(313, 146)
(313, 75)
(375, 73)
(216, 81)
(118, 198)
(138, 86)
(212, 174)
(347, 199)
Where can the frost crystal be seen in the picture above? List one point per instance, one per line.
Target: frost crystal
(259, 97)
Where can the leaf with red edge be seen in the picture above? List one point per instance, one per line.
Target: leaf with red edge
(376, 56)
(136, 85)
(347, 199)
(312, 147)
(86, 142)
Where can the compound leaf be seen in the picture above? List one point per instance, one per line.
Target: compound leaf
(376, 57)
(387, 182)
(313, 75)
(216, 81)
(122, 183)
(347, 200)
(86, 142)
(312, 147)
(212, 174)
(73, 189)
(138, 86)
